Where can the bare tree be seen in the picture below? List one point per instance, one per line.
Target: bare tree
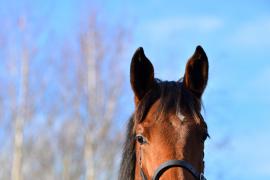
(89, 85)
(21, 114)
(65, 130)
(98, 98)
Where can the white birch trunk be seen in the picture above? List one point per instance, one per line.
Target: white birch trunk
(92, 93)
(16, 173)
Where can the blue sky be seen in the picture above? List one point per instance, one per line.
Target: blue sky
(235, 36)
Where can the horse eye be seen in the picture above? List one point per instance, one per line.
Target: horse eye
(141, 139)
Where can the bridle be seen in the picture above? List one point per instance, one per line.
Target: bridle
(174, 163)
(169, 164)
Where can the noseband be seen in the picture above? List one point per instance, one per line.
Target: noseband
(173, 163)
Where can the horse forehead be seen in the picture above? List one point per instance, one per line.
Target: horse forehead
(152, 114)
(156, 113)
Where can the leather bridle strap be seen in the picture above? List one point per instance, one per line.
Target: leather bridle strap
(142, 174)
(177, 163)
(174, 163)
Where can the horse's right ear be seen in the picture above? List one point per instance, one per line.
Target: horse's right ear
(141, 74)
(196, 75)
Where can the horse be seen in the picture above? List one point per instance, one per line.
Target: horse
(166, 133)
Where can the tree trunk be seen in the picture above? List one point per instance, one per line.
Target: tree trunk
(92, 93)
(16, 173)
(89, 160)
(17, 150)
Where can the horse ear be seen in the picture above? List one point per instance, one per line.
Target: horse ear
(196, 74)
(141, 74)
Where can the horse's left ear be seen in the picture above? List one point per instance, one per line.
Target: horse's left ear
(141, 74)
(196, 74)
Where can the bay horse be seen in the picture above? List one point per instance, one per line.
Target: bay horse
(166, 133)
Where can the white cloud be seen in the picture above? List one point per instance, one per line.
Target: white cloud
(252, 34)
(168, 26)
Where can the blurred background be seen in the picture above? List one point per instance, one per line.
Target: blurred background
(65, 97)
